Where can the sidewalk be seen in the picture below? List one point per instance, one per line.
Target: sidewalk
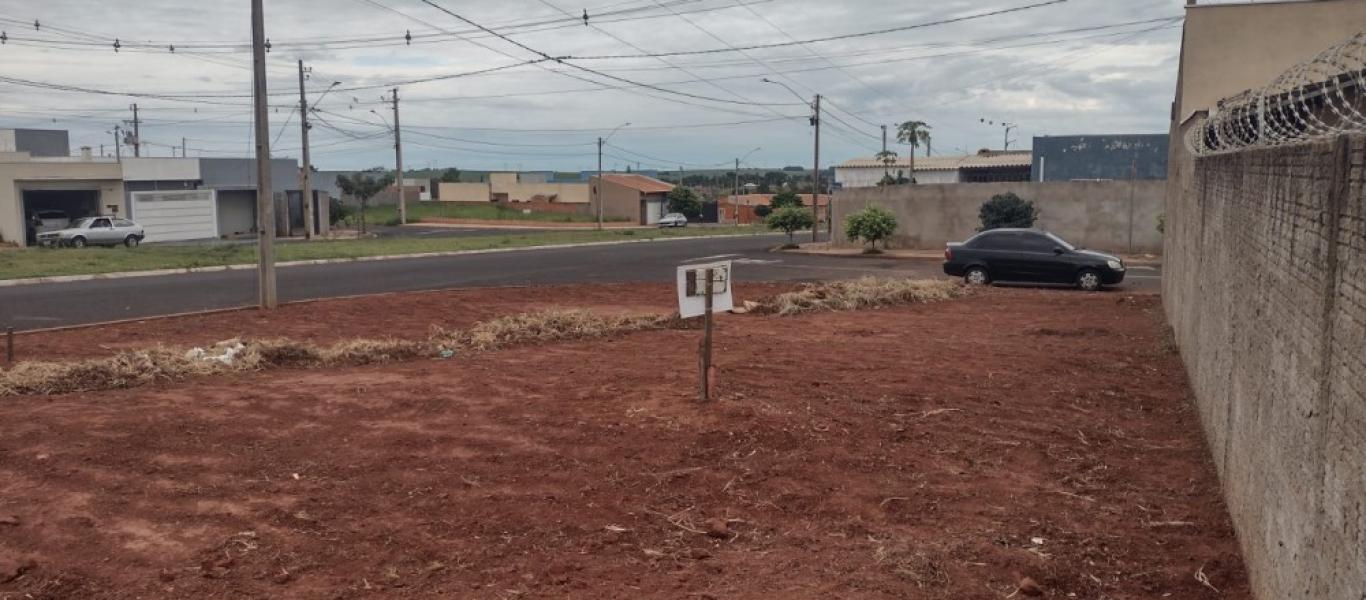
(825, 249)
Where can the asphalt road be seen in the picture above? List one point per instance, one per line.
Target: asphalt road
(58, 304)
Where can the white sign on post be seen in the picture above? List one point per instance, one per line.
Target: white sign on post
(692, 289)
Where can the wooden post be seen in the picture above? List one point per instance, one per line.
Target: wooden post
(704, 393)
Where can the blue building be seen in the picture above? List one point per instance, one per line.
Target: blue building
(1092, 157)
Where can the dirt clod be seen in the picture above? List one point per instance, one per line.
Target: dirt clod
(9, 520)
(13, 568)
(1029, 587)
(717, 528)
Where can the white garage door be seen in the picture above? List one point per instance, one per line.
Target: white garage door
(176, 216)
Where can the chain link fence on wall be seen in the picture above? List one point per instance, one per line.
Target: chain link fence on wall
(1319, 97)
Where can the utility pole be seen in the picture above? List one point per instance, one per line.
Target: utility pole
(306, 176)
(265, 198)
(137, 134)
(118, 143)
(597, 189)
(735, 197)
(184, 149)
(398, 165)
(1008, 127)
(885, 168)
(816, 173)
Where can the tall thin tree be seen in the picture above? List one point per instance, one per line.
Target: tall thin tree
(915, 134)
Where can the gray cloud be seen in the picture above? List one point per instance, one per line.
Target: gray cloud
(1121, 82)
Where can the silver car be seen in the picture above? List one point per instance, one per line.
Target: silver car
(95, 231)
(674, 220)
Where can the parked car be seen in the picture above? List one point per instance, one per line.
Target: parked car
(674, 220)
(95, 231)
(1030, 255)
(52, 220)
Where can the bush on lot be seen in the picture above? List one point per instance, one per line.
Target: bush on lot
(790, 219)
(684, 200)
(763, 211)
(1007, 210)
(871, 225)
(785, 199)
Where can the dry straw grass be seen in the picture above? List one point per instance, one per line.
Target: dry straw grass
(132, 369)
(868, 292)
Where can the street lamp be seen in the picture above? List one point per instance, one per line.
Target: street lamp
(597, 189)
(735, 197)
(1007, 126)
(816, 167)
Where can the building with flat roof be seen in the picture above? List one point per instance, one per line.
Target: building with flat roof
(985, 166)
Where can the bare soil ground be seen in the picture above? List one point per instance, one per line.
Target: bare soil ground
(936, 451)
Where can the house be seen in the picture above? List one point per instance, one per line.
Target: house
(174, 199)
(637, 198)
(533, 188)
(740, 209)
(1267, 38)
(1100, 157)
(985, 166)
(75, 187)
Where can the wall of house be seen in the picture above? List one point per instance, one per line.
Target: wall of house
(620, 202)
(1265, 290)
(240, 173)
(869, 177)
(19, 173)
(463, 192)
(1095, 214)
(1071, 157)
(36, 142)
(566, 193)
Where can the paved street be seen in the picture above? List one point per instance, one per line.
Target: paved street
(52, 305)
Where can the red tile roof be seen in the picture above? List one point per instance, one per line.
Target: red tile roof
(640, 183)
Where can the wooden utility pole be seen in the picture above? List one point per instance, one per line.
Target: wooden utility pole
(265, 198)
(735, 197)
(306, 175)
(597, 189)
(137, 133)
(118, 143)
(704, 390)
(398, 165)
(816, 174)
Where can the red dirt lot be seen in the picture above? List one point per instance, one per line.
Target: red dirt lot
(934, 451)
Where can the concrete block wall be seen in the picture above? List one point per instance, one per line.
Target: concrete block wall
(1101, 215)
(1265, 288)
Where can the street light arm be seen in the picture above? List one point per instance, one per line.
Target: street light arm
(614, 131)
(789, 88)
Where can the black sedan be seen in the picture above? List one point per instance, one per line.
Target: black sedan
(1030, 256)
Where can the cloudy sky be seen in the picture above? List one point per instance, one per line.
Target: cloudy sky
(1074, 66)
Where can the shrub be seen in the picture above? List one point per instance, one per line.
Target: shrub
(871, 225)
(763, 211)
(1007, 210)
(785, 199)
(790, 219)
(684, 200)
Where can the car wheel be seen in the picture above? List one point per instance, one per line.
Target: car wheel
(78, 242)
(977, 276)
(1088, 280)
(131, 241)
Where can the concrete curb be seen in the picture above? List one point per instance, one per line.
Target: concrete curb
(928, 256)
(329, 261)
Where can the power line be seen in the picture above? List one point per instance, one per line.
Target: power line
(824, 39)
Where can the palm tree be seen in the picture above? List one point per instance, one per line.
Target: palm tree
(888, 159)
(914, 133)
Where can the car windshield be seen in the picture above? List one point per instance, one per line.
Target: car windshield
(673, 216)
(1061, 242)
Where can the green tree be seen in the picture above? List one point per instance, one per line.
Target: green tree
(451, 175)
(684, 200)
(363, 186)
(785, 199)
(790, 219)
(887, 158)
(1007, 210)
(887, 180)
(916, 134)
(872, 224)
(763, 211)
